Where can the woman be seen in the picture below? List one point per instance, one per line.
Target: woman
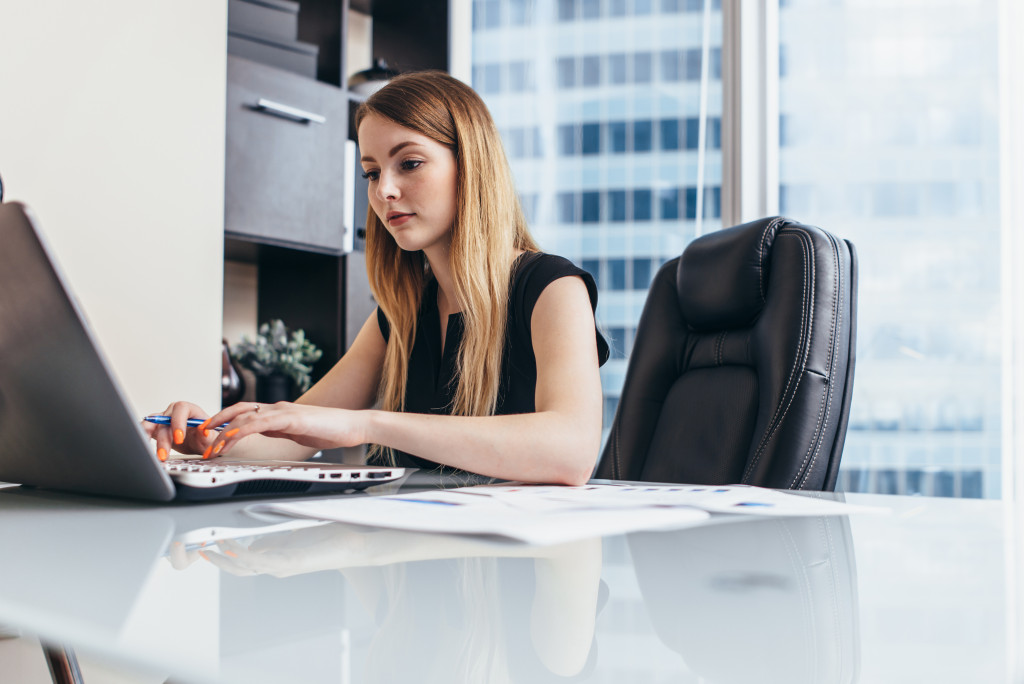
(483, 355)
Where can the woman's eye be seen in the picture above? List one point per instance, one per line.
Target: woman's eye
(371, 175)
(410, 164)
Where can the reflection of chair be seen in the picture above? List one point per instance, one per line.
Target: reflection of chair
(742, 368)
(755, 601)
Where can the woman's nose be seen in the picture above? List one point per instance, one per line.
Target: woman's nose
(387, 188)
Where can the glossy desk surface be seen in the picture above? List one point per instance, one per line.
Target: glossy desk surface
(928, 593)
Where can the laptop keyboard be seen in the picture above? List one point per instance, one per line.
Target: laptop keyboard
(215, 474)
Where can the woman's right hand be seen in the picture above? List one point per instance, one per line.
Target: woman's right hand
(178, 435)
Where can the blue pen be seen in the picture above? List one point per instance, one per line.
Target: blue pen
(191, 422)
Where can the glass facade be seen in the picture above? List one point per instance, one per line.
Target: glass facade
(599, 105)
(889, 137)
(611, 113)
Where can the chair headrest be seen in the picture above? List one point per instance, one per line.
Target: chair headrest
(721, 277)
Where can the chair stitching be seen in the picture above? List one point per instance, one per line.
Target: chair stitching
(770, 228)
(803, 346)
(615, 461)
(806, 602)
(830, 544)
(805, 326)
(836, 327)
(800, 476)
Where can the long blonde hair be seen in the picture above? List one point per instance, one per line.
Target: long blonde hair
(489, 230)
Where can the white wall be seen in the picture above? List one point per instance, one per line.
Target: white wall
(112, 130)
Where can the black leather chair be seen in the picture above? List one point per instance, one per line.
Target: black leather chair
(742, 367)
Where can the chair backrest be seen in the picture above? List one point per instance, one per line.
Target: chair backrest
(742, 366)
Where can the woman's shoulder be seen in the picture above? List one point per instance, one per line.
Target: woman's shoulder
(534, 271)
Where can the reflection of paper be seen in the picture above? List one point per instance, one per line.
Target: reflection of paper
(531, 519)
(543, 514)
(713, 499)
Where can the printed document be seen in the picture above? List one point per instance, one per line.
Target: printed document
(548, 514)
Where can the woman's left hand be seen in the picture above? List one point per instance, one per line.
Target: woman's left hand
(316, 427)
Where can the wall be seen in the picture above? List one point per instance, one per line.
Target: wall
(112, 130)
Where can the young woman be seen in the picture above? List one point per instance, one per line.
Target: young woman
(483, 354)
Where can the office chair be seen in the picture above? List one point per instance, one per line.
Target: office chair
(742, 367)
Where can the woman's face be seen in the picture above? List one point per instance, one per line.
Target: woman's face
(412, 183)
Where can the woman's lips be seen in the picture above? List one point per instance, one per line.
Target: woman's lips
(397, 219)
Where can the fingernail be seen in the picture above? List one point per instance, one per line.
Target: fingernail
(204, 556)
(202, 426)
(161, 453)
(228, 552)
(232, 432)
(179, 436)
(206, 454)
(206, 433)
(220, 445)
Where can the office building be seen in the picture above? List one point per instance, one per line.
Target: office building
(611, 112)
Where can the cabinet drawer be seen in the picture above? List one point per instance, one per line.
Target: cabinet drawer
(286, 173)
(273, 18)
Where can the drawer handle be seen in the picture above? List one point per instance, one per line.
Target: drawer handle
(286, 112)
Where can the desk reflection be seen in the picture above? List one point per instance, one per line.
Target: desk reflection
(739, 601)
(755, 601)
(445, 608)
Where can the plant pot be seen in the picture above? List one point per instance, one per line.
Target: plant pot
(274, 388)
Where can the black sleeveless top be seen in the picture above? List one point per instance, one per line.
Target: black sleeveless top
(432, 380)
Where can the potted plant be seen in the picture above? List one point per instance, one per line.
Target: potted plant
(281, 360)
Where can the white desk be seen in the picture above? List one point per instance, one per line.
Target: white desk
(927, 594)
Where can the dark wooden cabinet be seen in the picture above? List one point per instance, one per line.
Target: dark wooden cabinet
(286, 172)
(291, 186)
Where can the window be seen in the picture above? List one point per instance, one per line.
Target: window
(669, 129)
(566, 69)
(670, 65)
(591, 138)
(641, 274)
(591, 206)
(642, 136)
(520, 77)
(896, 167)
(566, 207)
(617, 69)
(668, 200)
(617, 274)
(617, 205)
(620, 124)
(567, 137)
(642, 204)
(591, 70)
(617, 136)
(642, 67)
(593, 267)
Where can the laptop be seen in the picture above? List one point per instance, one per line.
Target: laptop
(64, 420)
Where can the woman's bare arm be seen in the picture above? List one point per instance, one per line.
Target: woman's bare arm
(558, 443)
(350, 384)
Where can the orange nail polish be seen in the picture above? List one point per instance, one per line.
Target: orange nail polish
(229, 433)
(206, 433)
(179, 436)
(220, 445)
(161, 453)
(228, 552)
(206, 454)
(204, 556)
(202, 426)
